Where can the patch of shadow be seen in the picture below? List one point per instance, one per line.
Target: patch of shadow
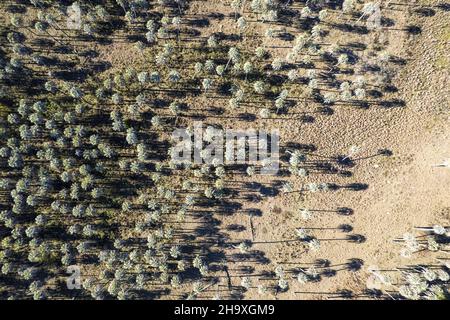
(75, 75)
(375, 94)
(216, 110)
(225, 89)
(89, 53)
(190, 32)
(227, 37)
(246, 269)
(253, 185)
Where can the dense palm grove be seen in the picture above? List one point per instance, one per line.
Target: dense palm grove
(86, 174)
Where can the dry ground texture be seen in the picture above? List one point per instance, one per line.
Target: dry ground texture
(359, 210)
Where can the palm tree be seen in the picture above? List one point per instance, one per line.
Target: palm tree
(236, 6)
(75, 92)
(259, 87)
(302, 234)
(246, 282)
(348, 6)
(243, 247)
(444, 164)
(283, 284)
(102, 13)
(233, 56)
(212, 42)
(174, 76)
(242, 24)
(353, 150)
(277, 64)
(317, 32)
(220, 70)
(260, 52)
(314, 244)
